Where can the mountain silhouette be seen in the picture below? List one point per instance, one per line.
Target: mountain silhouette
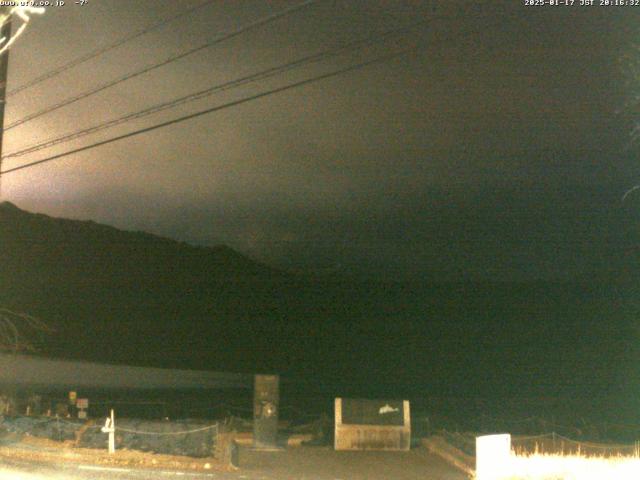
(130, 297)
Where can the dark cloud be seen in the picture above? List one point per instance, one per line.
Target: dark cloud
(492, 151)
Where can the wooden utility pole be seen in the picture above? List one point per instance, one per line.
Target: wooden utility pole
(5, 32)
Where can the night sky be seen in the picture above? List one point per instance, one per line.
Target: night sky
(496, 150)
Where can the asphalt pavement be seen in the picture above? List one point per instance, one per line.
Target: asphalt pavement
(14, 469)
(301, 463)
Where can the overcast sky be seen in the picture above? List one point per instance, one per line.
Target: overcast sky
(495, 150)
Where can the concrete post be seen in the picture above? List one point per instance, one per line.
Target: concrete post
(266, 399)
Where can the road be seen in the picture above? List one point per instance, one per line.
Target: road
(13, 469)
(323, 463)
(303, 463)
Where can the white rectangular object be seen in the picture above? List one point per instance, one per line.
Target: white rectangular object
(493, 456)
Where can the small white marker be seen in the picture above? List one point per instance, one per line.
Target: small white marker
(387, 409)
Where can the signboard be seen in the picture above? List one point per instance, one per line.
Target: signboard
(364, 424)
(82, 403)
(72, 397)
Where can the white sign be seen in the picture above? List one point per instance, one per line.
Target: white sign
(387, 409)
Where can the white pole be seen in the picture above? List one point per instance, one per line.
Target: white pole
(110, 428)
(112, 434)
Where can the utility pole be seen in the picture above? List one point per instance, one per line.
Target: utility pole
(5, 33)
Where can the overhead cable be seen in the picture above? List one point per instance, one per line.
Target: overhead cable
(264, 74)
(104, 49)
(167, 61)
(234, 103)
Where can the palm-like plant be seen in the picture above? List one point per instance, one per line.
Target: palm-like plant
(18, 330)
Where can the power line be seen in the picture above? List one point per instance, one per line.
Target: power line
(270, 72)
(274, 91)
(174, 58)
(102, 50)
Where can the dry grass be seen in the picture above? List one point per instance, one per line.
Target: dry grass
(540, 466)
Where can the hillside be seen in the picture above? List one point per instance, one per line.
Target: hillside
(123, 296)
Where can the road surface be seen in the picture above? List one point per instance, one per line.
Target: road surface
(302, 463)
(323, 463)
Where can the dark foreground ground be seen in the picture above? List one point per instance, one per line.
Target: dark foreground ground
(323, 463)
(300, 463)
